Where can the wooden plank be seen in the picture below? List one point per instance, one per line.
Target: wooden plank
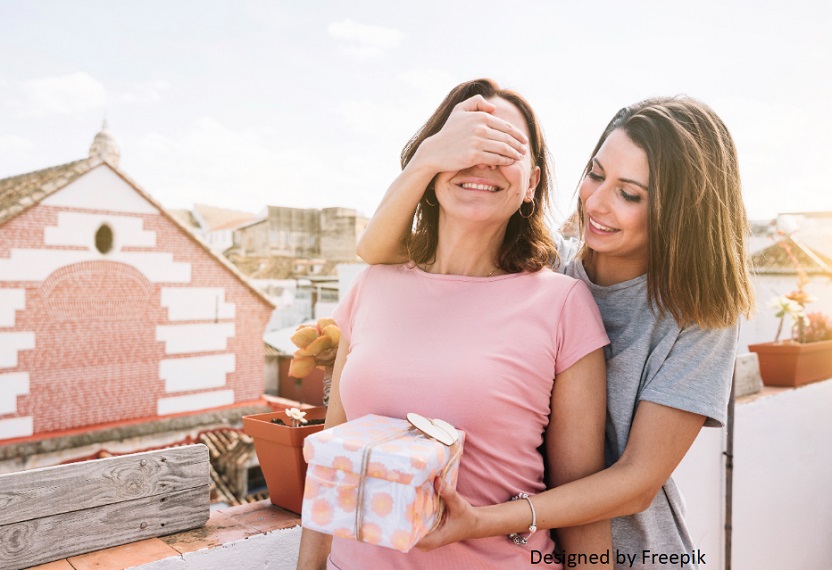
(41, 540)
(54, 490)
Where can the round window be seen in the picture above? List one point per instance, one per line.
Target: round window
(104, 239)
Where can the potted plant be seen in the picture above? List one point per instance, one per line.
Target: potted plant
(278, 436)
(278, 441)
(806, 356)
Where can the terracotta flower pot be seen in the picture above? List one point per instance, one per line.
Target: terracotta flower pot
(280, 453)
(792, 364)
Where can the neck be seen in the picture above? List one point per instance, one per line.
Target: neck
(467, 249)
(605, 271)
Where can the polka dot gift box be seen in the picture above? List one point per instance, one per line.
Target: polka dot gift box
(371, 479)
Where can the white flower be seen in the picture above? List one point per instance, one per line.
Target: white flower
(296, 415)
(785, 306)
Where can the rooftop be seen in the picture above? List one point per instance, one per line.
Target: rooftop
(775, 259)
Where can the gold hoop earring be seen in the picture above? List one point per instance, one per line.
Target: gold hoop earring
(520, 210)
(427, 199)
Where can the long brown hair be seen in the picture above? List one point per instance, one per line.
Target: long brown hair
(697, 263)
(528, 244)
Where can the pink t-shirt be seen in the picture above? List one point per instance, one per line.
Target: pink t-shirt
(480, 353)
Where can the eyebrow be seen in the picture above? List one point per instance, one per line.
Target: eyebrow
(625, 180)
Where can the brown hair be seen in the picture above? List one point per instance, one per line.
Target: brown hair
(697, 262)
(528, 244)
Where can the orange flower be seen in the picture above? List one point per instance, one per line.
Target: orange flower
(321, 512)
(310, 489)
(401, 540)
(371, 533)
(344, 533)
(401, 477)
(381, 504)
(342, 463)
(349, 479)
(411, 513)
(347, 499)
(376, 470)
(324, 473)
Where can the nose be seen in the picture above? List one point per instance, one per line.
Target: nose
(486, 166)
(596, 199)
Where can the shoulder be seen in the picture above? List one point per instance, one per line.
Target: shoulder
(568, 249)
(551, 282)
(384, 271)
(693, 335)
(355, 281)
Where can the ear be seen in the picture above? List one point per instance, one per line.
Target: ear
(534, 180)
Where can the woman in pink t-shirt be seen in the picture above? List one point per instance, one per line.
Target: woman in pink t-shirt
(458, 333)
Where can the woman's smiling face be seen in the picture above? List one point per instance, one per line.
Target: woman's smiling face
(614, 198)
(489, 193)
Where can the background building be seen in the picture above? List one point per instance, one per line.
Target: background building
(329, 233)
(114, 318)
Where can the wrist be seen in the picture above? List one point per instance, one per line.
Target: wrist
(421, 163)
(519, 538)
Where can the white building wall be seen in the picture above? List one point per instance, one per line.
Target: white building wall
(11, 301)
(199, 337)
(782, 471)
(196, 303)
(101, 189)
(194, 402)
(12, 385)
(196, 372)
(13, 342)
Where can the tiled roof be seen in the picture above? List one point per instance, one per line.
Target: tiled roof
(775, 259)
(269, 350)
(187, 219)
(280, 267)
(221, 218)
(19, 193)
(270, 267)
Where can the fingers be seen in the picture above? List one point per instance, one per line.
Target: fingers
(453, 501)
(503, 152)
(510, 134)
(476, 103)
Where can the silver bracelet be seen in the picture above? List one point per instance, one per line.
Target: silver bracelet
(515, 537)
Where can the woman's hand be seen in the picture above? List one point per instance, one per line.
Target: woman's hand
(458, 521)
(472, 135)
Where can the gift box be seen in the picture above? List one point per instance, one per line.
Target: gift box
(372, 479)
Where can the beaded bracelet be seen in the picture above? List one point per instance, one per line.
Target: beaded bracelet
(515, 537)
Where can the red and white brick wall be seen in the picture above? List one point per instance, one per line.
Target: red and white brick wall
(156, 326)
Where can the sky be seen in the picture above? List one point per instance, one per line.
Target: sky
(308, 104)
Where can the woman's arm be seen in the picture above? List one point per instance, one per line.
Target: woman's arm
(315, 546)
(659, 439)
(575, 443)
(470, 136)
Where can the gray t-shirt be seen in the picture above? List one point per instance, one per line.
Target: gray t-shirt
(651, 358)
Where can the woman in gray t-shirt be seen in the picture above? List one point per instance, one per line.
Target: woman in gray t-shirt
(662, 249)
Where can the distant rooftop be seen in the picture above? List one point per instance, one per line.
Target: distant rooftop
(213, 218)
(775, 260)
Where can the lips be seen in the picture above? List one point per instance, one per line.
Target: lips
(601, 227)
